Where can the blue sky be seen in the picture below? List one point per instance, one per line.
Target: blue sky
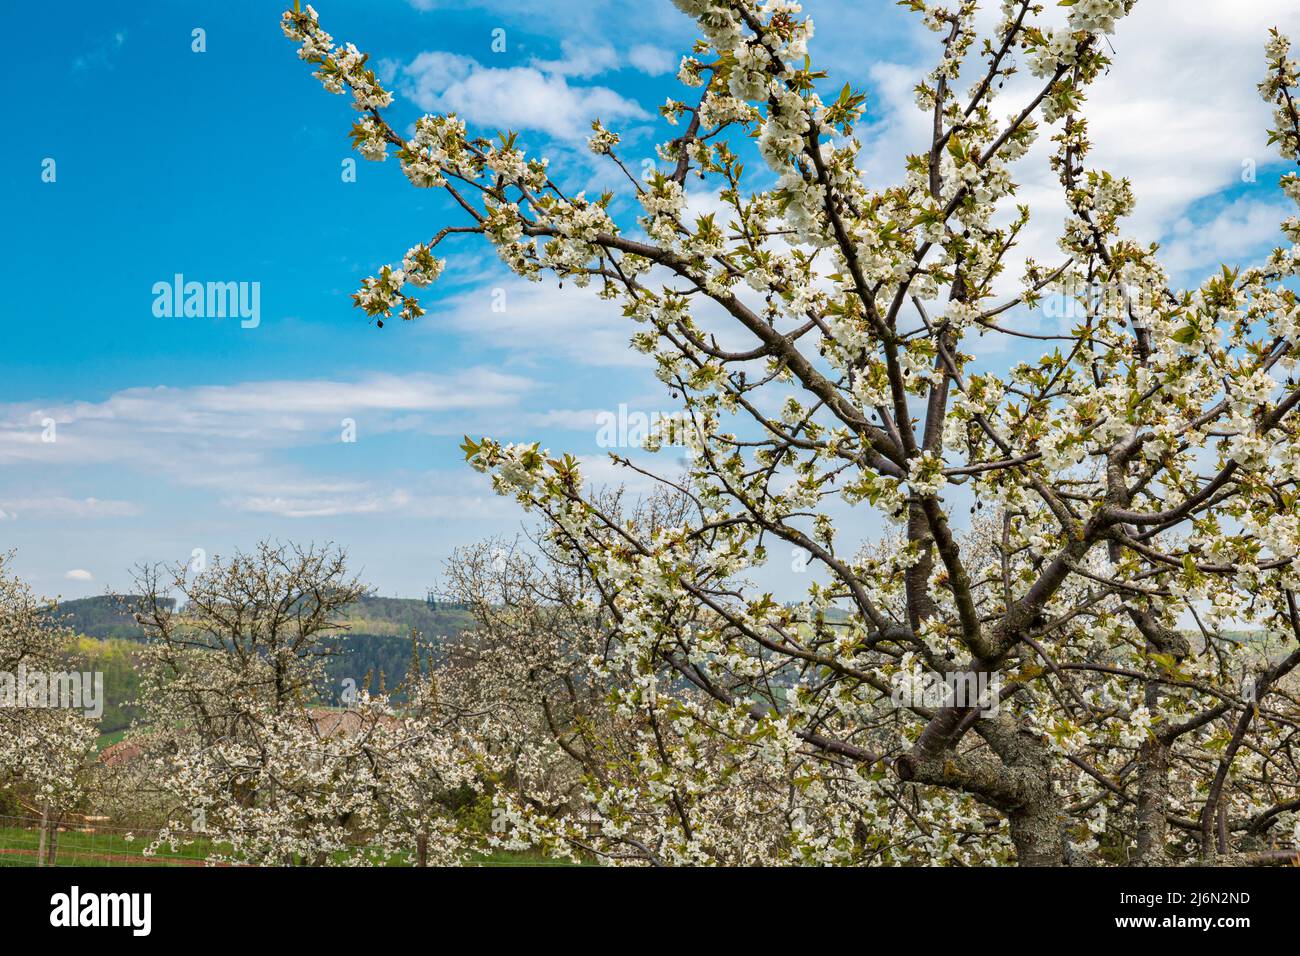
(174, 433)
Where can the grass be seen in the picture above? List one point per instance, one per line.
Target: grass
(517, 858)
(107, 740)
(18, 847)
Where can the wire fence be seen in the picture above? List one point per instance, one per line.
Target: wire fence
(93, 841)
(87, 841)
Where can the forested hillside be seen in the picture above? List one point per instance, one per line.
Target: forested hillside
(377, 644)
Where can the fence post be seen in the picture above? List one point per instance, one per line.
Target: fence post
(52, 846)
(45, 822)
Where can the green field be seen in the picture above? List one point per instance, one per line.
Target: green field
(107, 740)
(18, 847)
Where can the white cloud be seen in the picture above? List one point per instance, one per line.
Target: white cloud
(1238, 231)
(536, 97)
(652, 59)
(163, 422)
(58, 506)
(581, 60)
(459, 494)
(593, 19)
(232, 439)
(541, 319)
(601, 471)
(567, 419)
(1177, 113)
(79, 574)
(300, 506)
(587, 59)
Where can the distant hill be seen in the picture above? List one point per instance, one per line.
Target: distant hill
(381, 615)
(114, 659)
(378, 640)
(103, 617)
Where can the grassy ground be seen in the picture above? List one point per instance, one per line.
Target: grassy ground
(107, 740)
(513, 858)
(18, 847)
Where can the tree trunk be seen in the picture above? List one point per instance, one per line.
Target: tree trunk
(1152, 827)
(1037, 832)
(48, 846)
(52, 847)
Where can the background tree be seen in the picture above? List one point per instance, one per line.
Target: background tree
(46, 750)
(229, 678)
(236, 737)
